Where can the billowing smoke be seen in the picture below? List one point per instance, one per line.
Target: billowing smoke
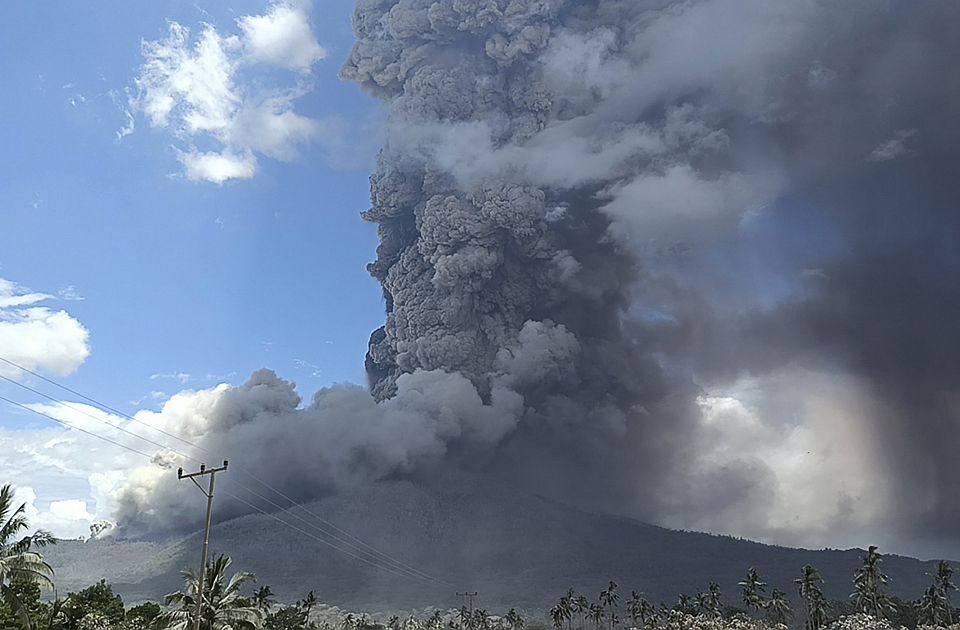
(343, 437)
(618, 235)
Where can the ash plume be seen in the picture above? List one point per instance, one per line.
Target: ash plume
(602, 221)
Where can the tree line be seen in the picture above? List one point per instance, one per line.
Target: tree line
(933, 608)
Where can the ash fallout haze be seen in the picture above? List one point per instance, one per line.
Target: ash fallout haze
(694, 263)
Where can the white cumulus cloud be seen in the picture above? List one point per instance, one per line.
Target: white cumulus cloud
(199, 87)
(65, 478)
(282, 37)
(36, 336)
(217, 167)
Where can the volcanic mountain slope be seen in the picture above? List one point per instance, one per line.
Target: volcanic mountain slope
(514, 548)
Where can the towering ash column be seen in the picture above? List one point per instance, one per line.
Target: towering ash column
(476, 255)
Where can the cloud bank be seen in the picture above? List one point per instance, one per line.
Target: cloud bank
(66, 477)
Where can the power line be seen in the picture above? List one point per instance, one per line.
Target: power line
(97, 418)
(325, 542)
(88, 399)
(416, 573)
(345, 537)
(72, 426)
(374, 554)
(235, 497)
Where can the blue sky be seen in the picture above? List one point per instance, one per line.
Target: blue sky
(180, 276)
(168, 281)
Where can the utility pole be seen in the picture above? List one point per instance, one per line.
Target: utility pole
(206, 530)
(468, 601)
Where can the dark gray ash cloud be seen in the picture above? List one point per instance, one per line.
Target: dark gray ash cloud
(634, 232)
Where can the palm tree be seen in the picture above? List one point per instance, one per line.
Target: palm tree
(596, 614)
(716, 599)
(930, 608)
(223, 607)
(808, 586)
(944, 583)
(778, 606)
(868, 583)
(662, 613)
(639, 608)
(685, 604)
(702, 601)
(558, 614)
(818, 611)
(753, 589)
(435, 622)
(609, 598)
(567, 603)
(465, 617)
(481, 619)
(263, 598)
(514, 620)
(308, 603)
(18, 561)
(580, 605)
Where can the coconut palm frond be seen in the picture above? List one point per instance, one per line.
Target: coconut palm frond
(223, 606)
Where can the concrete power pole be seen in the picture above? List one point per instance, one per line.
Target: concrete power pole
(206, 530)
(468, 601)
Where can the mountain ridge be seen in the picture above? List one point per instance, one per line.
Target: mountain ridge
(516, 549)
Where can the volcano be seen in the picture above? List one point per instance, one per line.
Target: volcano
(469, 533)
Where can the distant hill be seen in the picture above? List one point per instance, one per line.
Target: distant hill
(516, 549)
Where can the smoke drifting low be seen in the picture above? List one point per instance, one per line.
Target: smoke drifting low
(683, 261)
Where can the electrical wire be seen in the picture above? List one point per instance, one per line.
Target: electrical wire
(237, 498)
(358, 545)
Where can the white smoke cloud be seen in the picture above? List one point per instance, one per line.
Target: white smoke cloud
(802, 444)
(66, 477)
(679, 204)
(66, 519)
(198, 89)
(38, 337)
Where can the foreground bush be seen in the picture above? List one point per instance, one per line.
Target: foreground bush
(861, 621)
(677, 620)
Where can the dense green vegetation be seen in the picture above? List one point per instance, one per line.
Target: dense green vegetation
(232, 601)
